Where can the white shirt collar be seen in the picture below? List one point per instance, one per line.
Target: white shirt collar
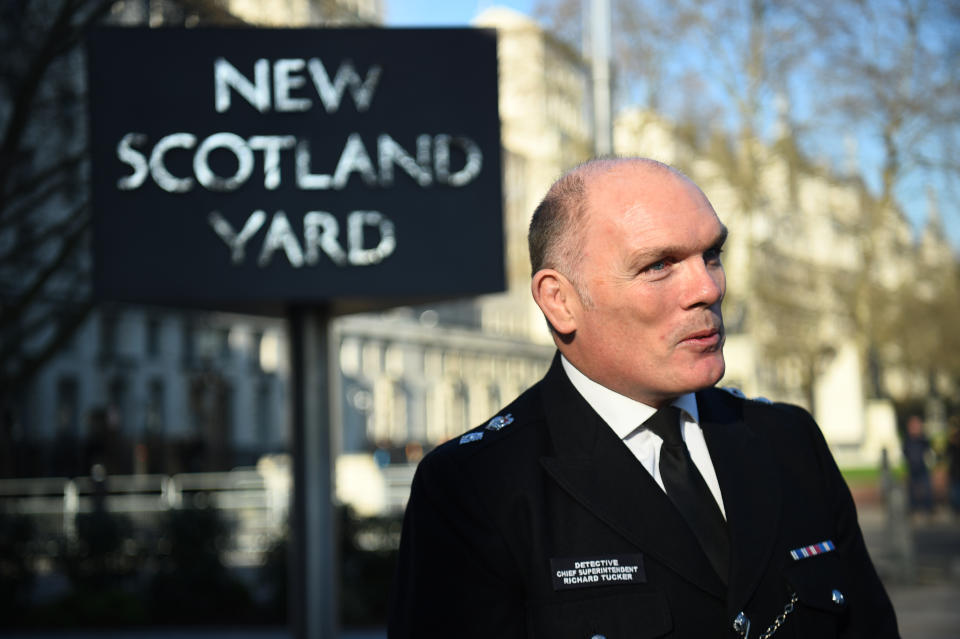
(626, 417)
(622, 414)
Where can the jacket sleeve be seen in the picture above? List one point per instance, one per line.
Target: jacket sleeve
(870, 613)
(452, 573)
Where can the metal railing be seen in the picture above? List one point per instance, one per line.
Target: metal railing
(254, 503)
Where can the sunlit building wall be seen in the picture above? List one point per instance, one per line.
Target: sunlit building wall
(796, 266)
(263, 13)
(301, 13)
(417, 377)
(158, 391)
(544, 88)
(412, 378)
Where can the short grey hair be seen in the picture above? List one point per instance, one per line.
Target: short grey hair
(555, 238)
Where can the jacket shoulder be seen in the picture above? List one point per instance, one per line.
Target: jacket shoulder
(733, 398)
(501, 431)
(774, 419)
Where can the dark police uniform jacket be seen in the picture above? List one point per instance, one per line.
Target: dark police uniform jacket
(543, 524)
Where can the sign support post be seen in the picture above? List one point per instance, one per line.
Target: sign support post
(313, 558)
(305, 172)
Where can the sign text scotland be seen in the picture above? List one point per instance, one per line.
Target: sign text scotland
(271, 166)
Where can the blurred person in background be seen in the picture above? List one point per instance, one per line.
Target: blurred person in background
(953, 464)
(916, 448)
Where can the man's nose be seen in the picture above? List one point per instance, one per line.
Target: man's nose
(706, 284)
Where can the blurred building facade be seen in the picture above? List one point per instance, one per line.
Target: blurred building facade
(803, 272)
(260, 13)
(150, 390)
(185, 391)
(416, 377)
(815, 266)
(144, 390)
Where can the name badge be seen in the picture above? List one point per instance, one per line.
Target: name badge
(587, 572)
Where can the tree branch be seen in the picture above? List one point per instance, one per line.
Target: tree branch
(60, 37)
(67, 324)
(70, 242)
(37, 190)
(56, 229)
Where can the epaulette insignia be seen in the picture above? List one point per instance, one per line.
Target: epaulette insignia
(500, 421)
(471, 437)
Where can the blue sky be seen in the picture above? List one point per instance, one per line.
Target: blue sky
(436, 13)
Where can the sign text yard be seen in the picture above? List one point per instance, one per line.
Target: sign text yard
(263, 167)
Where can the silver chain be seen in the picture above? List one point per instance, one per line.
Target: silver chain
(780, 619)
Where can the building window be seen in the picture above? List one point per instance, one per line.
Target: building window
(256, 340)
(199, 407)
(156, 397)
(116, 403)
(223, 342)
(262, 415)
(68, 409)
(187, 339)
(153, 337)
(494, 397)
(108, 335)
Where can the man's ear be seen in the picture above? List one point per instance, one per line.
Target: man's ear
(558, 300)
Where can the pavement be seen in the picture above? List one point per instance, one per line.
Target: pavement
(918, 558)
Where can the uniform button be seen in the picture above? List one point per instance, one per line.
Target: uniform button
(838, 597)
(741, 624)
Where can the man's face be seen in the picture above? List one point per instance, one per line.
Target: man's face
(649, 326)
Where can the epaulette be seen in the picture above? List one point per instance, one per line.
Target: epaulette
(736, 392)
(495, 425)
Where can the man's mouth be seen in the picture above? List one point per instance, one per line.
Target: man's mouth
(706, 338)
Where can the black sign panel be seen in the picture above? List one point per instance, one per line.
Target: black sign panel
(244, 167)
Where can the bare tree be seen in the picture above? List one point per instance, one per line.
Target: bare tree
(758, 83)
(721, 70)
(44, 203)
(892, 74)
(44, 196)
(889, 76)
(921, 339)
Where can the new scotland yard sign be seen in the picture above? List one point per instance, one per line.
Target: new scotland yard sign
(246, 167)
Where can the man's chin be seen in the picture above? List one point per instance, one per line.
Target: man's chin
(710, 371)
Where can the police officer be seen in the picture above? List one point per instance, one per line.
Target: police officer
(624, 496)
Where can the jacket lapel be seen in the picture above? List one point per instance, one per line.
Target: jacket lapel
(596, 468)
(750, 484)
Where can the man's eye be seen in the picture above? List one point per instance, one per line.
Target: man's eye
(660, 266)
(713, 255)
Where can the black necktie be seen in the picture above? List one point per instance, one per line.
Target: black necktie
(687, 490)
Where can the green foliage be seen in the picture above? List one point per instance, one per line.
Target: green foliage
(103, 555)
(192, 538)
(192, 585)
(90, 608)
(274, 577)
(179, 578)
(368, 556)
(102, 564)
(368, 561)
(16, 571)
